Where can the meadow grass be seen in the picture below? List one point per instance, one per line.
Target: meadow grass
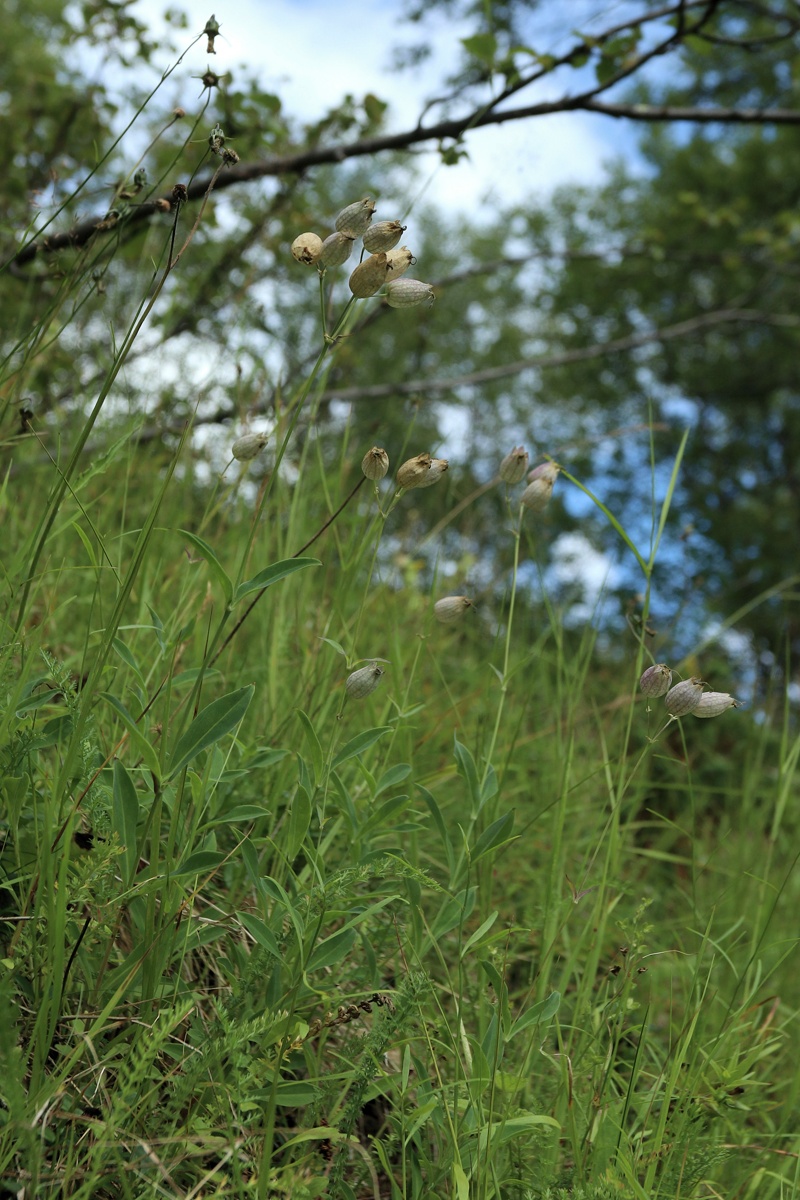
(499, 928)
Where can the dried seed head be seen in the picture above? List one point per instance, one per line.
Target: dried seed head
(162, 204)
(684, 697)
(369, 276)
(413, 470)
(399, 261)
(514, 465)
(307, 248)
(537, 494)
(383, 235)
(656, 680)
(375, 463)
(247, 447)
(363, 681)
(406, 293)
(451, 609)
(711, 704)
(434, 472)
(336, 249)
(355, 218)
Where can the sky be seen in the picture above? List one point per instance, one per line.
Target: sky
(311, 52)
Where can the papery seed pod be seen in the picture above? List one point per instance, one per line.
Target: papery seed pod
(406, 293)
(363, 681)
(656, 680)
(336, 250)
(355, 218)
(711, 704)
(684, 697)
(307, 248)
(368, 276)
(161, 204)
(537, 494)
(413, 470)
(399, 261)
(514, 465)
(434, 472)
(375, 463)
(451, 609)
(247, 447)
(383, 235)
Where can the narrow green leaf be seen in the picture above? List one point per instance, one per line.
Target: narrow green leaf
(138, 739)
(537, 1014)
(125, 817)
(200, 863)
(317, 758)
(244, 812)
(127, 657)
(611, 519)
(359, 744)
(392, 777)
(299, 821)
(468, 771)
(217, 719)
(261, 932)
(494, 836)
(332, 950)
(202, 547)
(270, 575)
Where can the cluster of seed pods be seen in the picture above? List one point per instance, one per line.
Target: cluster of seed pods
(685, 697)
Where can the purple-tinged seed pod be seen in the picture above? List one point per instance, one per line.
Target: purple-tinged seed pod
(656, 680)
(364, 681)
(413, 470)
(514, 465)
(369, 276)
(713, 703)
(408, 293)
(450, 609)
(336, 250)
(684, 697)
(355, 218)
(383, 235)
(375, 463)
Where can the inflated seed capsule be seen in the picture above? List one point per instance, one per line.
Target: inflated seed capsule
(247, 447)
(711, 704)
(684, 697)
(336, 250)
(656, 680)
(434, 473)
(307, 248)
(375, 463)
(368, 276)
(451, 609)
(383, 235)
(537, 494)
(355, 218)
(406, 293)
(363, 681)
(413, 470)
(399, 261)
(514, 465)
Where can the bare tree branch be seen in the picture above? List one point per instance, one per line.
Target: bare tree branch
(581, 354)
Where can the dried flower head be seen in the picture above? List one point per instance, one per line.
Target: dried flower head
(247, 447)
(368, 276)
(514, 465)
(375, 463)
(711, 704)
(407, 293)
(684, 697)
(161, 204)
(355, 218)
(537, 494)
(451, 609)
(434, 472)
(336, 249)
(399, 261)
(383, 235)
(413, 470)
(307, 248)
(656, 680)
(364, 681)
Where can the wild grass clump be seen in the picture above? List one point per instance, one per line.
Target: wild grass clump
(325, 875)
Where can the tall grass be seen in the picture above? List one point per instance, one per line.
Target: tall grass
(500, 928)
